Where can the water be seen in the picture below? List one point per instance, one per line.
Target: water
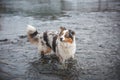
(97, 34)
(57, 6)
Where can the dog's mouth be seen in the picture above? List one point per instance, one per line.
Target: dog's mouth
(62, 40)
(68, 40)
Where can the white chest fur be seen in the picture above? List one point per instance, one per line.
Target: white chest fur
(66, 50)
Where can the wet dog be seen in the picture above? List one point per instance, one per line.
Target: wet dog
(62, 42)
(66, 44)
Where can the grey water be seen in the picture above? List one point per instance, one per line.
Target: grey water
(97, 27)
(57, 6)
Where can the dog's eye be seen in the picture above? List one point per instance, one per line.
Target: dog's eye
(67, 35)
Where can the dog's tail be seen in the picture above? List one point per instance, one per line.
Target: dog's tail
(32, 34)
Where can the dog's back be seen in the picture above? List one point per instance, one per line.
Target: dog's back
(45, 41)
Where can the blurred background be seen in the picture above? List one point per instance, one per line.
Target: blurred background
(97, 27)
(26, 10)
(57, 6)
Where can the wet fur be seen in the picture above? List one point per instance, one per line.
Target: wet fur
(42, 40)
(50, 41)
(66, 44)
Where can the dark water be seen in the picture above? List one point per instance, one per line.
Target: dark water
(97, 30)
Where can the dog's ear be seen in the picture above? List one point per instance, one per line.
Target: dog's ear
(62, 28)
(72, 32)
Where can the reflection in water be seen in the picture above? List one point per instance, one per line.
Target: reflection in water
(32, 6)
(53, 68)
(103, 6)
(56, 6)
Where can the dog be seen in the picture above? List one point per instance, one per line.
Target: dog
(66, 44)
(62, 43)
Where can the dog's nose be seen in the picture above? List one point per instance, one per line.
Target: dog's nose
(61, 39)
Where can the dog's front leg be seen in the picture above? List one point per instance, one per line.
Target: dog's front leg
(59, 58)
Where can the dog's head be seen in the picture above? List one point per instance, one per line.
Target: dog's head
(66, 35)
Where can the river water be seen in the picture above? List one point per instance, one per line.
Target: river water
(97, 27)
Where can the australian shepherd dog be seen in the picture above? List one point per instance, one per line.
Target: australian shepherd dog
(62, 43)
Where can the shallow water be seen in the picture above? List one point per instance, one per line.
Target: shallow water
(98, 46)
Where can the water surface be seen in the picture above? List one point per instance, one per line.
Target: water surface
(97, 38)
